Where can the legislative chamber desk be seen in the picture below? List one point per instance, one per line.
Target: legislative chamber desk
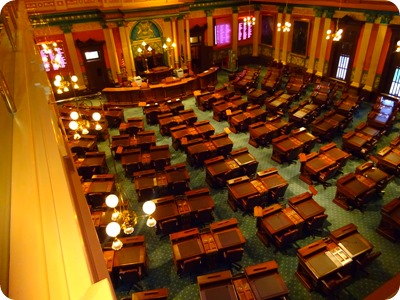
(216, 286)
(274, 221)
(273, 182)
(219, 170)
(245, 160)
(307, 138)
(242, 188)
(306, 206)
(389, 226)
(389, 160)
(380, 177)
(314, 166)
(286, 149)
(156, 294)
(265, 281)
(256, 96)
(208, 77)
(261, 134)
(354, 191)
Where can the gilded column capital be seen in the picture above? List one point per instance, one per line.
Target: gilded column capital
(235, 9)
(370, 18)
(280, 9)
(385, 19)
(318, 12)
(66, 28)
(209, 13)
(289, 9)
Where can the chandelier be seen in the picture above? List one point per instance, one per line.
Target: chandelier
(63, 85)
(249, 20)
(52, 52)
(335, 36)
(285, 27)
(81, 125)
(125, 219)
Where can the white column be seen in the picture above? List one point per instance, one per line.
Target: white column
(373, 65)
(235, 30)
(112, 53)
(277, 56)
(256, 35)
(210, 28)
(285, 41)
(126, 49)
(314, 41)
(187, 40)
(175, 38)
(181, 44)
(361, 54)
(324, 43)
(74, 58)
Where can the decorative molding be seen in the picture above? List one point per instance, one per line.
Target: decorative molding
(269, 8)
(222, 11)
(318, 12)
(87, 27)
(329, 13)
(385, 19)
(370, 17)
(304, 11)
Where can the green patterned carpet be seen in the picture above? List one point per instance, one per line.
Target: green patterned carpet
(161, 269)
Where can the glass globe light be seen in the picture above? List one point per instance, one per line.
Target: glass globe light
(59, 91)
(77, 136)
(113, 229)
(128, 229)
(66, 89)
(58, 77)
(96, 116)
(115, 216)
(112, 200)
(74, 115)
(149, 207)
(73, 125)
(98, 127)
(57, 83)
(117, 244)
(85, 131)
(151, 222)
(74, 78)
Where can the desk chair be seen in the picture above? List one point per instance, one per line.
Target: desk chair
(334, 283)
(79, 150)
(204, 216)
(286, 239)
(323, 177)
(168, 226)
(130, 278)
(96, 200)
(190, 266)
(86, 172)
(233, 256)
(366, 260)
(249, 203)
(316, 224)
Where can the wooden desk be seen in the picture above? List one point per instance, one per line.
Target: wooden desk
(380, 177)
(238, 189)
(351, 241)
(389, 160)
(354, 190)
(165, 209)
(188, 116)
(204, 128)
(216, 286)
(86, 145)
(130, 256)
(389, 226)
(314, 165)
(103, 187)
(265, 281)
(245, 160)
(187, 249)
(303, 115)
(286, 148)
(335, 153)
(275, 184)
(261, 134)
(157, 294)
(229, 238)
(275, 223)
(222, 143)
(199, 152)
(306, 138)
(256, 96)
(306, 206)
(219, 170)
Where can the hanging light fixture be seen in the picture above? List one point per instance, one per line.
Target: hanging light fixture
(249, 20)
(63, 85)
(398, 46)
(81, 125)
(286, 26)
(337, 35)
(125, 219)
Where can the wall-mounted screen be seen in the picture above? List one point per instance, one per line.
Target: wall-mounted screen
(90, 55)
(222, 31)
(245, 31)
